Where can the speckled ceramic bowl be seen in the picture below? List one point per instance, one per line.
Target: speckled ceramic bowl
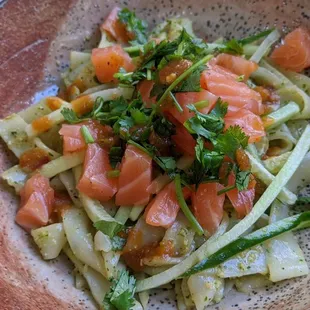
(35, 40)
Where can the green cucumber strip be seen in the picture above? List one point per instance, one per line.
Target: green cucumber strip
(122, 214)
(281, 115)
(210, 247)
(284, 80)
(243, 243)
(259, 171)
(251, 148)
(273, 37)
(249, 50)
(255, 37)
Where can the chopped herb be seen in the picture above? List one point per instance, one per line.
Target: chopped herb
(242, 179)
(70, 116)
(169, 163)
(240, 78)
(232, 47)
(113, 173)
(135, 26)
(118, 243)
(108, 227)
(201, 104)
(163, 127)
(88, 138)
(115, 155)
(176, 103)
(129, 78)
(187, 212)
(121, 295)
(303, 200)
(183, 76)
(207, 125)
(192, 83)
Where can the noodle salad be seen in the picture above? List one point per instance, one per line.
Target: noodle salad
(166, 159)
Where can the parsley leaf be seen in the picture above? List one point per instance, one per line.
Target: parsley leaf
(108, 227)
(121, 295)
(135, 26)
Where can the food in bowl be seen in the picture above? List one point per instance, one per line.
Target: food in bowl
(169, 159)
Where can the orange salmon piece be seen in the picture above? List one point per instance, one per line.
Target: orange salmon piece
(37, 198)
(134, 179)
(94, 182)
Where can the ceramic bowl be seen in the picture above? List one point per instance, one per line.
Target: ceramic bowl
(36, 37)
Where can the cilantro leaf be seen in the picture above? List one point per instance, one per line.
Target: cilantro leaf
(192, 83)
(118, 243)
(232, 47)
(135, 26)
(121, 295)
(129, 78)
(139, 117)
(229, 141)
(168, 163)
(184, 46)
(108, 227)
(207, 125)
(220, 108)
(242, 179)
(210, 160)
(70, 116)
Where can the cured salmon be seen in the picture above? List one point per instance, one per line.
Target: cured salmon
(294, 53)
(134, 179)
(187, 98)
(115, 28)
(108, 60)
(95, 182)
(37, 198)
(236, 64)
(73, 140)
(235, 93)
(145, 87)
(250, 123)
(164, 208)
(208, 206)
(183, 140)
(242, 201)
